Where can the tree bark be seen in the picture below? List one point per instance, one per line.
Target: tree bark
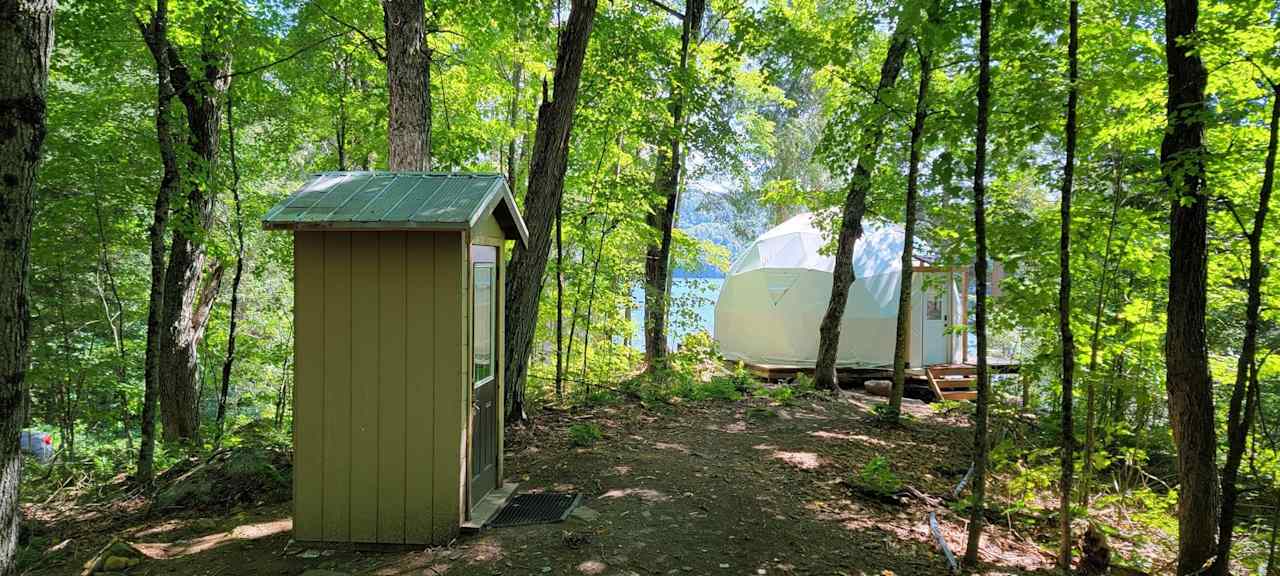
(407, 69)
(855, 204)
(1187, 379)
(1239, 416)
(902, 343)
(980, 450)
(1064, 296)
(342, 62)
(230, 357)
(188, 290)
(663, 215)
(155, 34)
(560, 303)
(513, 115)
(26, 42)
(542, 200)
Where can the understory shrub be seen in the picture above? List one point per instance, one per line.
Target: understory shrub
(585, 434)
(877, 478)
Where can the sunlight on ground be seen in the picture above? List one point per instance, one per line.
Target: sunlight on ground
(669, 446)
(486, 550)
(592, 567)
(645, 494)
(801, 460)
(170, 550)
(832, 435)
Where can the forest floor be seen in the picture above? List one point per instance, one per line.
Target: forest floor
(711, 487)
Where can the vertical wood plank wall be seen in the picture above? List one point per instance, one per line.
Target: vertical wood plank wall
(308, 389)
(382, 363)
(452, 364)
(391, 386)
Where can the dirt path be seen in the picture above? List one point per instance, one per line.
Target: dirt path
(715, 488)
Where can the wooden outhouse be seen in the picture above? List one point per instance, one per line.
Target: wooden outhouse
(398, 326)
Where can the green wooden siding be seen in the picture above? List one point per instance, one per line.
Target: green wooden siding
(381, 369)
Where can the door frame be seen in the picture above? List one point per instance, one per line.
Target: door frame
(499, 365)
(919, 302)
(932, 288)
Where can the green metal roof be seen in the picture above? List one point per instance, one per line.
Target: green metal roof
(397, 201)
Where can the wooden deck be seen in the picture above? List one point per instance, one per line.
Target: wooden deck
(944, 381)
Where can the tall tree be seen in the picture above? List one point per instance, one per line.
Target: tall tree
(977, 515)
(855, 204)
(670, 166)
(152, 32)
(1066, 336)
(189, 285)
(408, 85)
(902, 341)
(1241, 410)
(26, 42)
(1187, 379)
(542, 200)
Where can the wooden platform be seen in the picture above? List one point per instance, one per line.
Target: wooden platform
(944, 381)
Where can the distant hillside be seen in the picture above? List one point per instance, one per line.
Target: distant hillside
(706, 215)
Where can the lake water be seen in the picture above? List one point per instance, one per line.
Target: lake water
(693, 309)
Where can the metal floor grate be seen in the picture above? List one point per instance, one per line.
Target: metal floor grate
(536, 508)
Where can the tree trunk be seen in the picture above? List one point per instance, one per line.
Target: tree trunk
(1064, 296)
(407, 61)
(340, 134)
(26, 42)
(542, 200)
(230, 357)
(591, 295)
(1086, 481)
(560, 303)
(188, 290)
(513, 116)
(855, 203)
(1189, 385)
(1240, 417)
(155, 34)
(662, 218)
(1272, 568)
(113, 313)
(977, 514)
(902, 343)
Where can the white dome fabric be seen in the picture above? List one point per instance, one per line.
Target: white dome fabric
(777, 291)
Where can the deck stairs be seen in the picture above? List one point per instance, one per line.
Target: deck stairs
(953, 381)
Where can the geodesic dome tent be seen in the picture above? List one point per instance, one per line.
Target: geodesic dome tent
(777, 291)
